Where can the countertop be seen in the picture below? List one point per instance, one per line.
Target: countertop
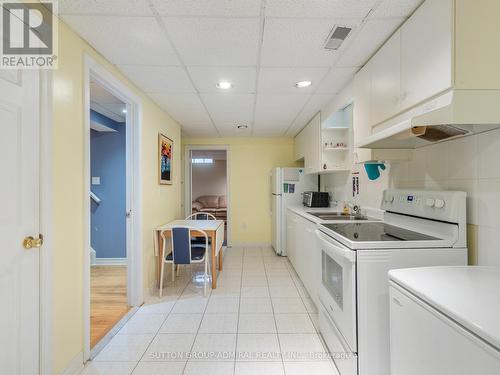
(372, 214)
(469, 295)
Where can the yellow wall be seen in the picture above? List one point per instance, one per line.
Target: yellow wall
(251, 160)
(160, 204)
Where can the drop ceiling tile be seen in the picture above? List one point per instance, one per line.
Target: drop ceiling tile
(166, 79)
(229, 110)
(107, 7)
(205, 78)
(231, 131)
(277, 131)
(282, 80)
(277, 110)
(396, 8)
(233, 8)
(187, 109)
(367, 41)
(299, 123)
(317, 103)
(199, 131)
(336, 80)
(319, 8)
(215, 41)
(125, 40)
(299, 42)
(313, 106)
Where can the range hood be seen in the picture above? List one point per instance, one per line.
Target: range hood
(453, 114)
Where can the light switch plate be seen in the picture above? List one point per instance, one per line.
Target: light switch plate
(96, 180)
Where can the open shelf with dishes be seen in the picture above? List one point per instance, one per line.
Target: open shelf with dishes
(336, 141)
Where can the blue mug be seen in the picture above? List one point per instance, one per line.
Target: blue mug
(373, 170)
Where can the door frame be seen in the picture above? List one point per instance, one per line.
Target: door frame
(93, 70)
(46, 223)
(188, 181)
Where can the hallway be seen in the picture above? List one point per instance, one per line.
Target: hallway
(259, 320)
(108, 299)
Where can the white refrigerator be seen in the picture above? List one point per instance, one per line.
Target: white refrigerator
(287, 186)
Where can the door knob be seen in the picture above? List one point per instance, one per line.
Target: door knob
(30, 242)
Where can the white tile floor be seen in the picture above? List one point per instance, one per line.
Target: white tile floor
(259, 320)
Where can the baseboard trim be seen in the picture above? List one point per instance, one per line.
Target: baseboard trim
(111, 261)
(75, 366)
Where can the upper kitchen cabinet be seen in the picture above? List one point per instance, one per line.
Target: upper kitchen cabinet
(307, 145)
(435, 79)
(362, 117)
(385, 73)
(326, 145)
(426, 54)
(336, 141)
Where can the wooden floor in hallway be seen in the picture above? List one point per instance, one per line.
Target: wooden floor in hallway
(108, 299)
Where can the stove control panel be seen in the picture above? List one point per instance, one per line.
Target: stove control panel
(437, 205)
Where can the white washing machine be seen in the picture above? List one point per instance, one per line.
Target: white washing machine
(445, 321)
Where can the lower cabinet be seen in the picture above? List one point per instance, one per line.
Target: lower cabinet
(303, 252)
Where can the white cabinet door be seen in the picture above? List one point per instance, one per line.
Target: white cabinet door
(312, 133)
(426, 52)
(19, 218)
(362, 115)
(299, 145)
(291, 243)
(386, 80)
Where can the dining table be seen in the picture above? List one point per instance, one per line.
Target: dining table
(215, 232)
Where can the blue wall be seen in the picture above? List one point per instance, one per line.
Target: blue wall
(107, 161)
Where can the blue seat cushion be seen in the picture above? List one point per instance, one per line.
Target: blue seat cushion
(197, 253)
(199, 240)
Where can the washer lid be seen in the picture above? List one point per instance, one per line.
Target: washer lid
(468, 295)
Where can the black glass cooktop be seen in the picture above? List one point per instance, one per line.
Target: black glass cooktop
(372, 232)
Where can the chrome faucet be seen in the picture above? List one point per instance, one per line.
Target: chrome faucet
(355, 209)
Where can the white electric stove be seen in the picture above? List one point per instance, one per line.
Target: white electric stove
(420, 228)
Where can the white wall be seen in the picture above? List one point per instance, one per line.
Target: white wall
(468, 164)
(209, 179)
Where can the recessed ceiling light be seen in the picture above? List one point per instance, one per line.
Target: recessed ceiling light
(303, 84)
(224, 85)
(242, 126)
(124, 110)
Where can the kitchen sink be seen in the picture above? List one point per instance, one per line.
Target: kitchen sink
(337, 216)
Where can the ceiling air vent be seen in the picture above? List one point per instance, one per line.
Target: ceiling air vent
(337, 37)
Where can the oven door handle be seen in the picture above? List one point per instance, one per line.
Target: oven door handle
(336, 249)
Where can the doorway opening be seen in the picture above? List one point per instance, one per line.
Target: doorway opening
(113, 275)
(108, 207)
(207, 183)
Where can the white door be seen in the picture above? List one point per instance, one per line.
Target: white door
(19, 218)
